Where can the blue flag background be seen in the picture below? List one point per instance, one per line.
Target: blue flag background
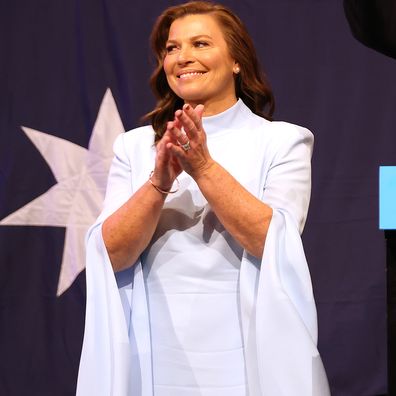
(58, 58)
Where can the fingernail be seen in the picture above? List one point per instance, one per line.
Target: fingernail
(186, 107)
(178, 113)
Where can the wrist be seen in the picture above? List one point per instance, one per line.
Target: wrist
(206, 171)
(160, 187)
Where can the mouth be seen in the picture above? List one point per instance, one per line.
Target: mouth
(190, 74)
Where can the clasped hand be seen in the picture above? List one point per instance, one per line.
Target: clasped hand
(185, 130)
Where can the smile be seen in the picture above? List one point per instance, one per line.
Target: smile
(190, 74)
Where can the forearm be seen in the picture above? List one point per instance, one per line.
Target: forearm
(128, 231)
(244, 216)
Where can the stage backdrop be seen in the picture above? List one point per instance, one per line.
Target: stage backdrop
(73, 74)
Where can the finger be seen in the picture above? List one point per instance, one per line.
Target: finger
(176, 151)
(199, 110)
(187, 123)
(177, 123)
(163, 154)
(164, 140)
(170, 133)
(195, 114)
(180, 136)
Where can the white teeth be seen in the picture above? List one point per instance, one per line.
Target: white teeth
(190, 74)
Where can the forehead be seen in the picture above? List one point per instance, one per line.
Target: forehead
(195, 25)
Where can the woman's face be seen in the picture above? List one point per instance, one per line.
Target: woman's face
(197, 64)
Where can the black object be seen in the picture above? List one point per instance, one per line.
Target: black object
(373, 23)
(390, 237)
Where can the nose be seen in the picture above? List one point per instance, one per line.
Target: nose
(185, 55)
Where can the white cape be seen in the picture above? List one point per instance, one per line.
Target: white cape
(277, 311)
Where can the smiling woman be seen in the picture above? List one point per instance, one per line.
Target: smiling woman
(250, 82)
(198, 66)
(197, 282)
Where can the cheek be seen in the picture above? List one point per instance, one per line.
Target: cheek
(209, 60)
(218, 64)
(167, 65)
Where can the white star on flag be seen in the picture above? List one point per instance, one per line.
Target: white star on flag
(76, 200)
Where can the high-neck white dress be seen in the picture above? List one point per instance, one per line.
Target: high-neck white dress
(196, 314)
(191, 271)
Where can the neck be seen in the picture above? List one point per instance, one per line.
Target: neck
(214, 107)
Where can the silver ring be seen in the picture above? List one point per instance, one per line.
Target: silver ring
(185, 146)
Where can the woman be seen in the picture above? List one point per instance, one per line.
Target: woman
(213, 295)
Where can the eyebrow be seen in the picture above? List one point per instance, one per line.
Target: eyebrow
(192, 38)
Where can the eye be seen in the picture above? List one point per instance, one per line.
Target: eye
(201, 44)
(170, 48)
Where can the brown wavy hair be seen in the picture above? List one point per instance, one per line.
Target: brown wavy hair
(251, 84)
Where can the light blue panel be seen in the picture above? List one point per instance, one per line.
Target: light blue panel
(387, 198)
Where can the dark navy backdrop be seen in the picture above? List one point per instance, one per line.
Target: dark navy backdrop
(58, 58)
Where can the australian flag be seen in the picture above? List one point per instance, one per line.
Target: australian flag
(69, 75)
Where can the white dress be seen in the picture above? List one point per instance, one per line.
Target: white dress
(196, 314)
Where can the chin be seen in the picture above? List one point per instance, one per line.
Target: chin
(192, 99)
(190, 95)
